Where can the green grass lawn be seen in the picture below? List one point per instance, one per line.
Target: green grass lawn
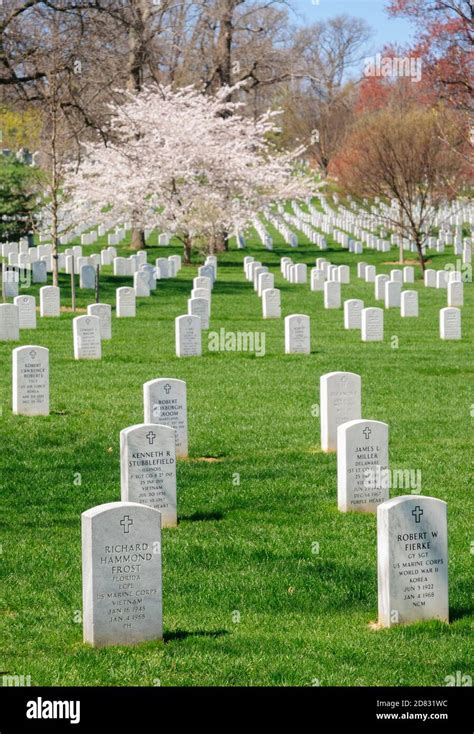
(246, 601)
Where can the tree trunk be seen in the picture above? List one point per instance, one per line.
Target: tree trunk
(221, 241)
(136, 62)
(400, 234)
(187, 250)
(137, 241)
(420, 253)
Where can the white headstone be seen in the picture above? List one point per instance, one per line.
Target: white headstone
(165, 403)
(30, 384)
(430, 278)
(121, 574)
(87, 276)
(104, 312)
(9, 323)
(317, 280)
(396, 276)
(27, 311)
(450, 323)
(370, 273)
(125, 303)
(39, 273)
(362, 465)
(148, 469)
(202, 281)
(380, 281)
(412, 560)
(199, 307)
(297, 334)
(409, 304)
(340, 402)
(372, 325)
(188, 336)
(344, 274)
(86, 331)
(393, 290)
(455, 294)
(353, 313)
(50, 301)
(332, 294)
(271, 303)
(300, 273)
(141, 284)
(265, 281)
(441, 278)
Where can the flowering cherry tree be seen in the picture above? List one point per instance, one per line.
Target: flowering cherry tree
(186, 163)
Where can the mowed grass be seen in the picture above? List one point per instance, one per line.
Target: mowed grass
(247, 601)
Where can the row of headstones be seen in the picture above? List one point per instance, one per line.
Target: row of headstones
(354, 220)
(188, 327)
(121, 541)
(199, 304)
(297, 326)
(91, 329)
(165, 267)
(361, 222)
(39, 259)
(412, 557)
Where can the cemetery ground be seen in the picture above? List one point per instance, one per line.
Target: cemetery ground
(265, 582)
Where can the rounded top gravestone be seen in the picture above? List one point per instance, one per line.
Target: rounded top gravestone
(121, 574)
(412, 560)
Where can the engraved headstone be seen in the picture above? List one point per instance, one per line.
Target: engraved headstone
(340, 402)
(27, 311)
(297, 334)
(125, 303)
(409, 304)
(30, 384)
(104, 312)
(86, 331)
(121, 574)
(450, 323)
(141, 284)
(148, 469)
(165, 403)
(456, 294)
(39, 273)
(353, 313)
(188, 336)
(199, 307)
(87, 275)
(372, 325)
(362, 465)
(393, 290)
(50, 301)
(332, 294)
(317, 280)
(412, 560)
(9, 323)
(271, 303)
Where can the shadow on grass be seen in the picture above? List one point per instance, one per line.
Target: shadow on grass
(201, 517)
(457, 613)
(184, 634)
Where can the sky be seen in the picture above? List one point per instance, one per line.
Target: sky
(385, 28)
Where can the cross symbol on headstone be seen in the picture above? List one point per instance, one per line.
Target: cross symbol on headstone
(167, 388)
(126, 522)
(367, 432)
(150, 436)
(417, 513)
